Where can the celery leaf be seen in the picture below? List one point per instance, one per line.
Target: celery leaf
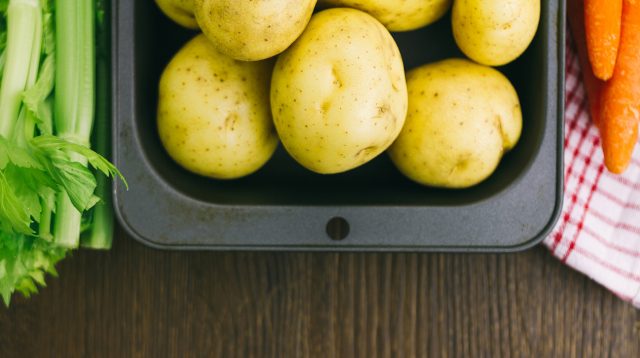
(35, 97)
(24, 261)
(54, 144)
(14, 215)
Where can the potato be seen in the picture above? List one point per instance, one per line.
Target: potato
(253, 30)
(462, 118)
(213, 113)
(339, 95)
(180, 11)
(398, 15)
(495, 32)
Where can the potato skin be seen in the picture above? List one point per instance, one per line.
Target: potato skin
(250, 30)
(180, 11)
(213, 112)
(462, 118)
(495, 32)
(397, 15)
(339, 95)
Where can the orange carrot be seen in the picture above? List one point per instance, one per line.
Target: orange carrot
(620, 113)
(602, 25)
(593, 85)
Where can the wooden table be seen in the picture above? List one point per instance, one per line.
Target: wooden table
(136, 301)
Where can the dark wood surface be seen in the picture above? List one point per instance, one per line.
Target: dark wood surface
(136, 301)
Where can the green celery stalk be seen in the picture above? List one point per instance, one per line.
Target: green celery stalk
(21, 137)
(100, 236)
(3, 41)
(74, 98)
(24, 25)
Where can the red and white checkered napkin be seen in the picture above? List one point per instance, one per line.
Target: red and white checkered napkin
(599, 229)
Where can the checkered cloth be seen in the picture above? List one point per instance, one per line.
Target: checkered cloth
(599, 229)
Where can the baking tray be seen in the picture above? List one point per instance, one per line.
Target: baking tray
(285, 207)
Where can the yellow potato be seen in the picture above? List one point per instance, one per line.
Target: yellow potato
(180, 11)
(495, 32)
(253, 30)
(213, 113)
(397, 15)
(339, 95)
(462, 118)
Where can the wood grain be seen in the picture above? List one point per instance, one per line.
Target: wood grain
(139, 302)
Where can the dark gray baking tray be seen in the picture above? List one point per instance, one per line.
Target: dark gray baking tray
(285, 207)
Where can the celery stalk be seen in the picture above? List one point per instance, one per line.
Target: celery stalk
(74, 98)
(100, 236)
(24, 25)
(28, 124)
(44, 226)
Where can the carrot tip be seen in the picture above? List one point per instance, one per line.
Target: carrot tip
(604, 76)
(617, 169)
(616, 165)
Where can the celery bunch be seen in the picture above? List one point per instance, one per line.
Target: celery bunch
(50, 192)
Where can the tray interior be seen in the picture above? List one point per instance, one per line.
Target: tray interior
(282, 182)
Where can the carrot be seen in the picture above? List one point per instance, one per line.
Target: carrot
(593, 85)
(602, 25)
(620, 112)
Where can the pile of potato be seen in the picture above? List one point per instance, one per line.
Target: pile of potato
(331, 87)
